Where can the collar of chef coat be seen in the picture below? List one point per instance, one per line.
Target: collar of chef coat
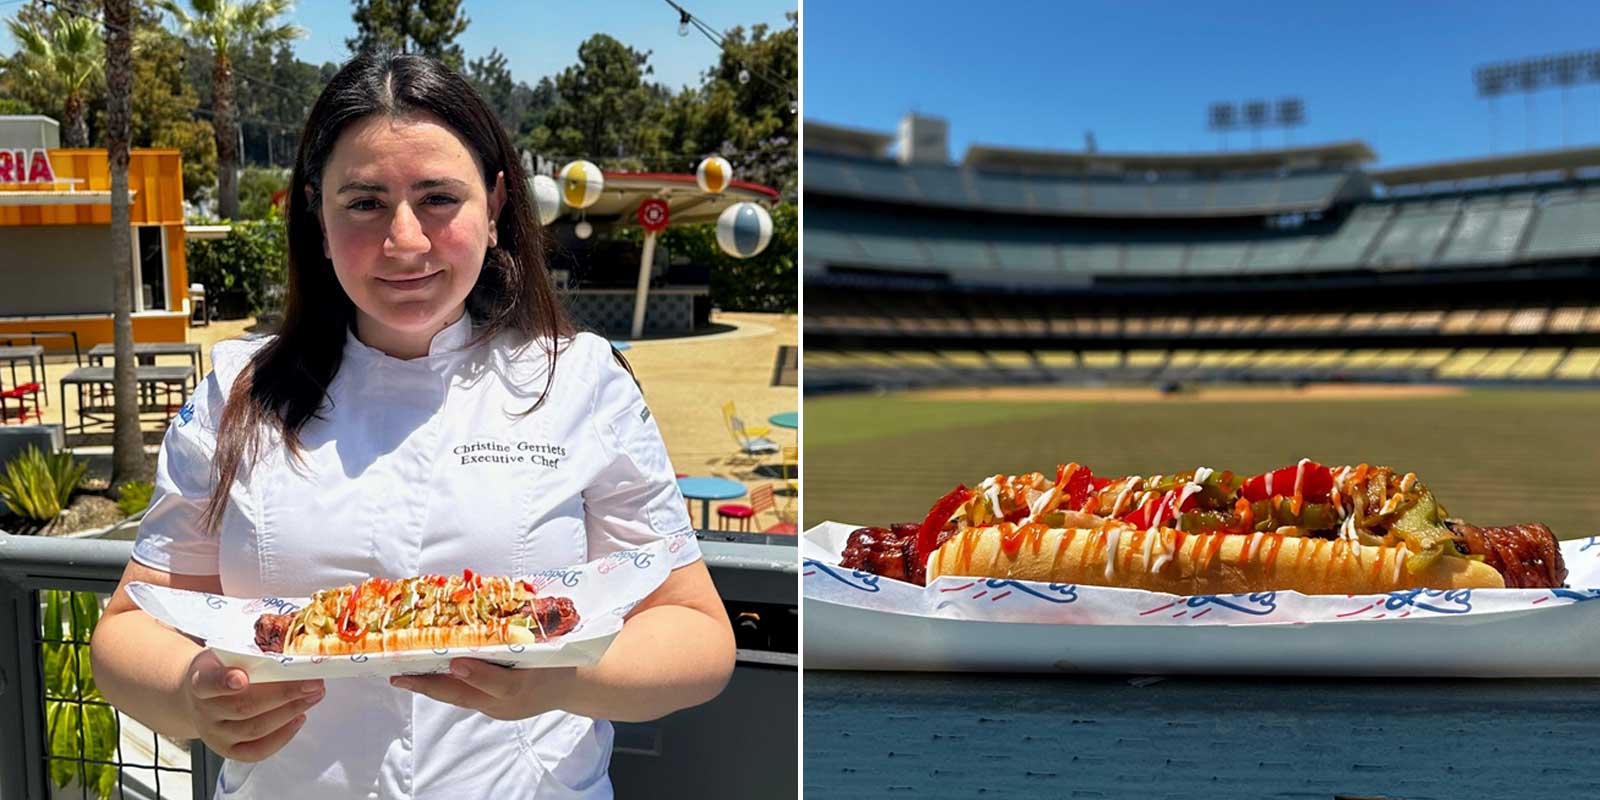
(446, 346)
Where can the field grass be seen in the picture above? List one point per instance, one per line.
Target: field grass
(1491, 456)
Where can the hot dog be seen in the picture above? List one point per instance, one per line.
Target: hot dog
(1306, 528)
(428, 611)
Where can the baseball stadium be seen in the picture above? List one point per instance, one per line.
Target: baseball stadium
(1149, 312)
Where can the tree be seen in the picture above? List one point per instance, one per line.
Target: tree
(751, 122)
(65, 59)
(509, 99)
(425, 27)
(605, 110)
(127, 444)
(230, 29)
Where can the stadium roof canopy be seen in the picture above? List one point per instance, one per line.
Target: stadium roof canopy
(1337, 156)
(1567, 161)
(844, 141)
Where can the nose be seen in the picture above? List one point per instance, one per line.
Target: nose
(405, 233)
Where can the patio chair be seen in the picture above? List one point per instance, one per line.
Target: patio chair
(760, 500)
(749, 444)
(729, 414)
(21, 394)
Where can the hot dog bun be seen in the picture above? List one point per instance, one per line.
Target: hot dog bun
(412, 639)
(1177, 563)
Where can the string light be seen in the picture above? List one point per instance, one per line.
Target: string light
(686, 19)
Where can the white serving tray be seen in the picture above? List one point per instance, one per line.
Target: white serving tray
(603, 591)
(858, 621)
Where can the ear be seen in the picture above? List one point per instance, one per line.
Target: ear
(316, 209)
(497, 197)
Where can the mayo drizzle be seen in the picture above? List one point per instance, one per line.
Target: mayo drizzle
(1113, 538)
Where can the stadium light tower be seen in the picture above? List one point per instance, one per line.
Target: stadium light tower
(1491, 81)
(1528, 76)
(1222, 117)
(1291, 114)
(1256, 118)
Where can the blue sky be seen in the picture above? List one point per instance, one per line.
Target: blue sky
(541, 37)
(1141, 74)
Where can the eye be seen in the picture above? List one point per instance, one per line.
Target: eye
(440, 200)
(363, 204)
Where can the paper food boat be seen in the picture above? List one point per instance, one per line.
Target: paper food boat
(603, 591)
(855, 620)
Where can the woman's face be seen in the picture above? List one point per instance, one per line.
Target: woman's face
(406, 220)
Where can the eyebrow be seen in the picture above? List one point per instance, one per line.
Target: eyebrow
(431, 183)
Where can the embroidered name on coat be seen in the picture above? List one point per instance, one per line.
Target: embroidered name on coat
(490, 452)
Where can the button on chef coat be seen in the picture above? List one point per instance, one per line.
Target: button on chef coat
(429, 465)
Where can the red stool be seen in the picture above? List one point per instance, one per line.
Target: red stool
(739, 512)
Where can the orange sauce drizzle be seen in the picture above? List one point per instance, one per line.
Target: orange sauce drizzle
(1277, 544)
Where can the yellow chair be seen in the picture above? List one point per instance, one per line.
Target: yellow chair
(729, 414)
(791, 474)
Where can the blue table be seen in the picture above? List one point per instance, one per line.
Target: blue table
(705, 489)
(788, 419)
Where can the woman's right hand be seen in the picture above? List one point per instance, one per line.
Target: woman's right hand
(240, 720)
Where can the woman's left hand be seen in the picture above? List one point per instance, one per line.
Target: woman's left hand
(499, 692)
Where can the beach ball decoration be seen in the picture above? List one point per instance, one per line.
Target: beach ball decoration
(581, 184)
(743, 230)
(714, 174)
(547, 198)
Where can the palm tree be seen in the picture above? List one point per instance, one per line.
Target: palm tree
(127, 444)
(68, 57)
(228, 29)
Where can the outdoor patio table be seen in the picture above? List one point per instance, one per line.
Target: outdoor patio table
(33, 338)
(146, 354)
(788, 419)
(705, 489)
(97, 378)
(34, 355)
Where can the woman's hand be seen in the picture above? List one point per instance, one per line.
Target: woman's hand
(239, 720)
(495, 691)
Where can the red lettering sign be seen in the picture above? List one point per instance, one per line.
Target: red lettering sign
(26, 166)
(39, 170)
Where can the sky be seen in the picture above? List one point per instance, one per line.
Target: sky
(1141, 74)
(541, 37)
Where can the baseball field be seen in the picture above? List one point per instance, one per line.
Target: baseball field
(1492, 456)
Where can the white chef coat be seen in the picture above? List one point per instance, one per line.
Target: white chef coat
(420, 466)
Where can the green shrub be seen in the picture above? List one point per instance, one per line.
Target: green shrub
(86, 729)
(37, 486)
(243, 272)
(134, 496)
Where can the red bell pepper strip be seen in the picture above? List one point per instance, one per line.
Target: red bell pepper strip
(345, 629)
(1314, 487)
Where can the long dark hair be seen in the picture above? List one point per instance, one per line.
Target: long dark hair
(287, 380)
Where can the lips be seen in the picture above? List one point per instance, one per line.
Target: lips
(408, 284)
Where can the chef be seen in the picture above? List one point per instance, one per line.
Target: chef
(426, 407)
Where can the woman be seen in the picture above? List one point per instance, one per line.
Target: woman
(421, 333)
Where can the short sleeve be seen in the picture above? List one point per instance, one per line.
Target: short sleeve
(172, 537)
(634, 500)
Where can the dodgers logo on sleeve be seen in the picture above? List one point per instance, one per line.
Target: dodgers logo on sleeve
(186, 414)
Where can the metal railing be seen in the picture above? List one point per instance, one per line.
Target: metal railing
(748, 575)
(29, 567)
